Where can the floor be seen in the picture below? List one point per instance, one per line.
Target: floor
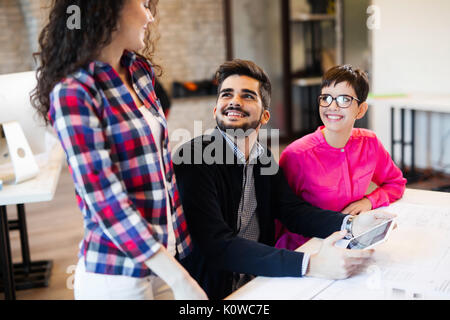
(55, 228)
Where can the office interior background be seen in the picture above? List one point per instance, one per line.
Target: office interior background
(402, 44)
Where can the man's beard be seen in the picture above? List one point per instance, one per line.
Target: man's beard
(243, 130)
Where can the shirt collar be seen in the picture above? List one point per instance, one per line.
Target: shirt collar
(256, 151)
(127, 60)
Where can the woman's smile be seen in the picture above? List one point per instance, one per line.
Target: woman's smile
(333, 117)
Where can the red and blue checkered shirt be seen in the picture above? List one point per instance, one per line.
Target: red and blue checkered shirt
(114, 162)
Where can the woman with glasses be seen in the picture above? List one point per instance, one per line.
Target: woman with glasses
(333, 167)
(96, 87)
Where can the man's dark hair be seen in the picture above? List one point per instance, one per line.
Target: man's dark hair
(249, 69)
(356, 78)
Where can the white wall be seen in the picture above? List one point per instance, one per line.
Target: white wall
(411, 53)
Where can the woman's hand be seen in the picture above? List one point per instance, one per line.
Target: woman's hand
(357, 207)
(368, 220)
(184, 287)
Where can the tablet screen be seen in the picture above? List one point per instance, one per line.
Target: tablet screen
(371, 237)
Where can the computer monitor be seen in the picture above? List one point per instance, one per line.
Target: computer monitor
(15, 105)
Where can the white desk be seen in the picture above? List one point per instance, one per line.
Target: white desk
(407, 261)
(41, 188)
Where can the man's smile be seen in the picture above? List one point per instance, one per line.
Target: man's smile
(233, 113)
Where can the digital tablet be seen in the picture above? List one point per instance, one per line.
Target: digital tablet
(370, 238)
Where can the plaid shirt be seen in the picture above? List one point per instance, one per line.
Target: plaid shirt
(115, 166)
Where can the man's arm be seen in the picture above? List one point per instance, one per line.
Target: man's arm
(216, 239)
(300, 216)
(330, 261)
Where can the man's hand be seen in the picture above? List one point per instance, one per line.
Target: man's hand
(332, 262)
(357, 207)
(368, 220)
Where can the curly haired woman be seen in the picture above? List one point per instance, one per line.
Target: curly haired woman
(97, 92)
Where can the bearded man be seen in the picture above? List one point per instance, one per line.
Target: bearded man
(231, 198)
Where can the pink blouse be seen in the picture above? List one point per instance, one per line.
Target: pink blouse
(332, 178)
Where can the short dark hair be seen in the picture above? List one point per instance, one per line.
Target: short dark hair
(356, 78)
(249, 69)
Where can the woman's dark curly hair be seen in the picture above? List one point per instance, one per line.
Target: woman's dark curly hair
(63, 51)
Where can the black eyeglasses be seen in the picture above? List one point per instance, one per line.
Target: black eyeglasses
(343, 101)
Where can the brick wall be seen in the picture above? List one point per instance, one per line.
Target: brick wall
(191, 45)
(20, 22)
